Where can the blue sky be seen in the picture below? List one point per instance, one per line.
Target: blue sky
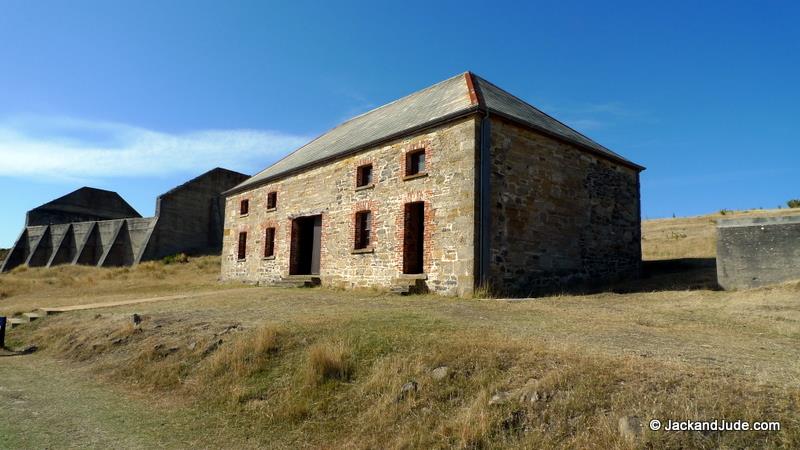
(139, 96)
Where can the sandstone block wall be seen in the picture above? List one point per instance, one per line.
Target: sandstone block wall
(330, 190)
(756, 252)
(560, 216)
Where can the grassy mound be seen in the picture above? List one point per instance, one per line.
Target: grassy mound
(375, 384)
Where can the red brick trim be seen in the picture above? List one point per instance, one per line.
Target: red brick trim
(244, 201)
(358, 164)
(263, 236)
(291, 246)
(427, 240)
(278, 195)
(413, 147)
(367, 205)
(242, 228)
(473, 94)
(324, 233)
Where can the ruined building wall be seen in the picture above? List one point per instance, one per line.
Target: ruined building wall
(190, 217)
(330, 190)
(560, 216)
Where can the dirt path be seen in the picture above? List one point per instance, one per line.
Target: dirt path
(45, 405)
(60, 309)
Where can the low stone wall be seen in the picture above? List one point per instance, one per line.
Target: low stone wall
(758, 251)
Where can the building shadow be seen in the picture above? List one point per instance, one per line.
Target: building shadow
(684, 274)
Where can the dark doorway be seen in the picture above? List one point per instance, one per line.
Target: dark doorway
(306, 245)
(413, 237)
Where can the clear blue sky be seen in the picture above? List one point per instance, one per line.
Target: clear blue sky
(139, 96)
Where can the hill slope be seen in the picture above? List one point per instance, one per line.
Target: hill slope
(692, 237)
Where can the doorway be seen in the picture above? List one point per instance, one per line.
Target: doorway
(306, 245)
(413, 237)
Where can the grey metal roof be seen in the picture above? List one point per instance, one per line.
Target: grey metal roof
(442, 101)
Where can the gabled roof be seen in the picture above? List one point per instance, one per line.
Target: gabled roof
(455, 97)
(93, 202)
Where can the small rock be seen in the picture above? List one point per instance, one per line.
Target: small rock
(408, 389)
(192, 345)
(630, 427)
(515, 420)
(529, 396)
(27, 350)
(212, 347)
(499, 398)
(228, 329)
(117, 341)
(440, 372)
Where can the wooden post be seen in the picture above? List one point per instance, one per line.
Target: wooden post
(2, 332)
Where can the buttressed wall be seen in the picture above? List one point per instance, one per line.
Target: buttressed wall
(560, 216)
(188, 219)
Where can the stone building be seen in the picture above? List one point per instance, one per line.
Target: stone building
(758, 251)
(97, 227)
(453, 187)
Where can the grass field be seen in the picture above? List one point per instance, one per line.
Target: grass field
(320, 368)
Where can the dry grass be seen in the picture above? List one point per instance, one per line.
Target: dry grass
(319, 368)
(557, 394)
(246, 355)
(26, 289)
(328, 361)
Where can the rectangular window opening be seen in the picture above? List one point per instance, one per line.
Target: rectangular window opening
(242, 245)
(244, 207)
(414, 238)
(364, 175)
(415, 162)
(272, 200)
(269, 242)
(363, 229)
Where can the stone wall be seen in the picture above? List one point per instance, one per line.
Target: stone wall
(756, 252)
(330, 190)
(560, 216)
(188, 219)
(190, 216)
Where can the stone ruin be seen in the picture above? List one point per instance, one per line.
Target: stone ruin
(99, 228)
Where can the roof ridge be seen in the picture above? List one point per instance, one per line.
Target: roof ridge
(348, 121)
(483, 80)
(401, 99)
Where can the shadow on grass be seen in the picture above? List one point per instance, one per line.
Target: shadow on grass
(684, 274)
